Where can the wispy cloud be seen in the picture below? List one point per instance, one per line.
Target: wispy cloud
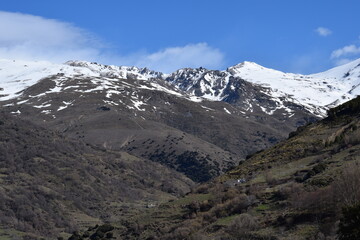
(30, 37)
(324, 32)
(173, 58)
(345, 54)
(349, 50)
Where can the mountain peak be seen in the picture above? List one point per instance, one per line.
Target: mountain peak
(246, 64)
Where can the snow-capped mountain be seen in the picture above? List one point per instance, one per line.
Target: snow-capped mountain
(18, 75)
(213, 118)
(111, 106)
(316, 92)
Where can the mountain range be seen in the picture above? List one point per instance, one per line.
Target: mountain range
(315, 92)
(216, 117)
(190, 126)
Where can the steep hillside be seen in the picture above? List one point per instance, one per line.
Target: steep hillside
(294, 190)
(51, 184)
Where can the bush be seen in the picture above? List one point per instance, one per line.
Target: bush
(242, 225)
(269, 178)
(349, 224)
(105, 228)
(109, 235)
(347, 189)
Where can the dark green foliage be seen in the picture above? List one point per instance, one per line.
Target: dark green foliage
(319, 168)
(97, 235)
(349, 227)
(109, 235)
(192, 164)
(86, 234)
(105, 228)
(196, 167)
(75, 236)
(349, 108)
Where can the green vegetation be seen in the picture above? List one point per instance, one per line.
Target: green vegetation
(345, 110)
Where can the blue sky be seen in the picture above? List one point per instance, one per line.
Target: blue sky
(293, 36)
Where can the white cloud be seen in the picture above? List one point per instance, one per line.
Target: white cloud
(29, 37)
(349, 50)
(345, 54)
(323, 31)
(173, 58)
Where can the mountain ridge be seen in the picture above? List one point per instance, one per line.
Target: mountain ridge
(316, 92)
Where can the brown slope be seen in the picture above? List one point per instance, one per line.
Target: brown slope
(51, 184)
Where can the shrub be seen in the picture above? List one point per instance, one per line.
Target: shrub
(318, 201)
(231, 207)
(347, 189)
(109, 235)
(269, 178)
(105, 228)
(349, 224)
(242, 225)
(86, 234)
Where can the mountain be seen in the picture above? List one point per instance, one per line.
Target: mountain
(193, 120)
(305, 187)
(137, 111)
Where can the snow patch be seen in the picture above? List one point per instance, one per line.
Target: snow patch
(67, 104)
(227, 111)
